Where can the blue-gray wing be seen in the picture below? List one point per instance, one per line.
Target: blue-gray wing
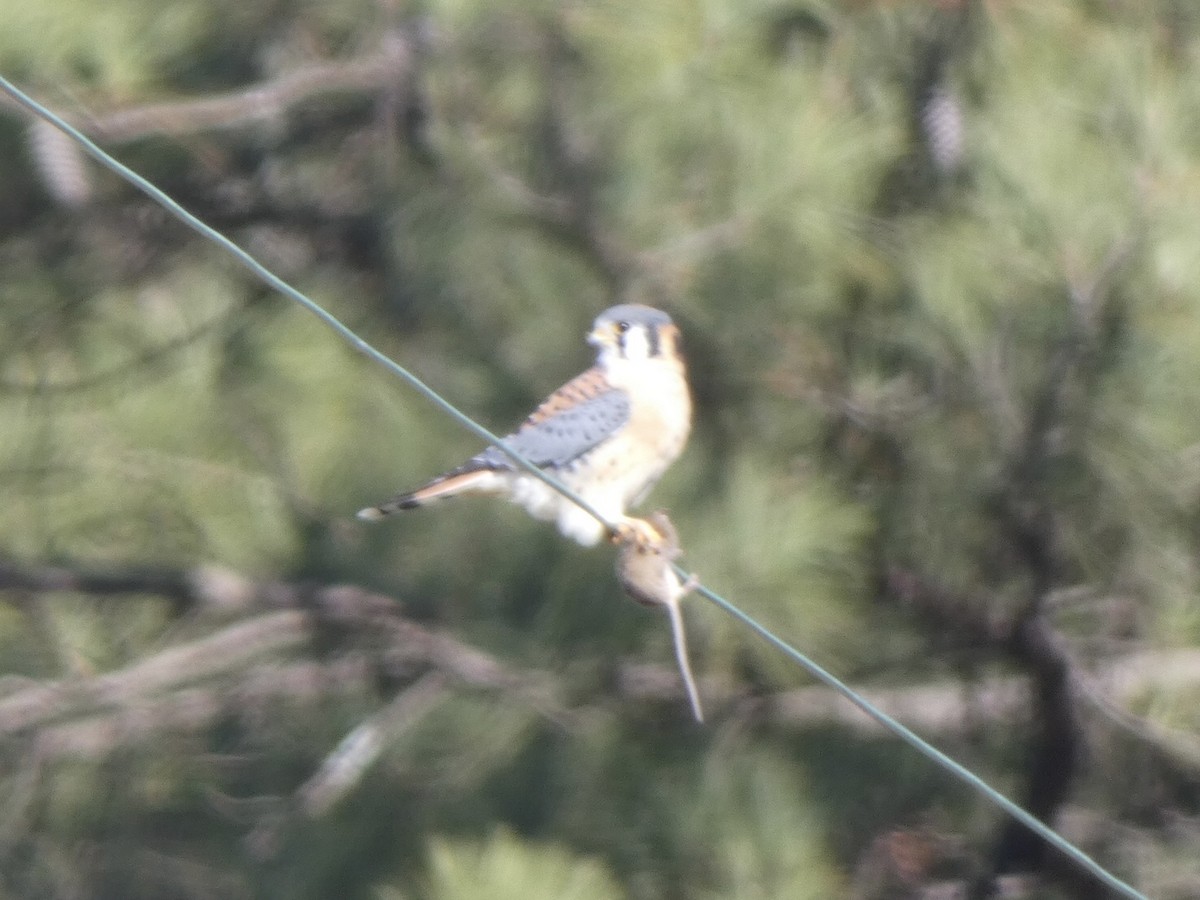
(570, 422)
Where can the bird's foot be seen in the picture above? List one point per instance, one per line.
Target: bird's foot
(638, 532)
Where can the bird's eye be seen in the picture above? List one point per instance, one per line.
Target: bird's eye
(622, 327)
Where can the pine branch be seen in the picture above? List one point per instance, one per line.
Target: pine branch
(268, 654)
(265, 102)
(286, 618)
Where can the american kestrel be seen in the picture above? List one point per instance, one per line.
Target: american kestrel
(645, 570)
(609, 434)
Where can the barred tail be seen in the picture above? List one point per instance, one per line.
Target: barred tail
(477, 481)
(397, 503)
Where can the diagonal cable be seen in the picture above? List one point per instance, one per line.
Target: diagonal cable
(959, 771)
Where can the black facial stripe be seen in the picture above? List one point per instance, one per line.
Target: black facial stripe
(621, 332)
(653, 340)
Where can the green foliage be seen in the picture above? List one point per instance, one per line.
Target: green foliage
(506, 868)
(793, 548)
(117, 46)
(765, 841)
(982, 377)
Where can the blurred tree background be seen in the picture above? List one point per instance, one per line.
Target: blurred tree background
(937, 265)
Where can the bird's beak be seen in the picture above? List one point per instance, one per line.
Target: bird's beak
(596, 337)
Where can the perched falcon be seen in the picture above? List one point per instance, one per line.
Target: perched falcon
(609, 434)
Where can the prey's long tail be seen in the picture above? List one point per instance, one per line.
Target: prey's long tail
(681, 656)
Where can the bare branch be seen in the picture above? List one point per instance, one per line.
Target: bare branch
(169, 691)
(357, 752)
(228, 650)
(266, 101)
(127, 704)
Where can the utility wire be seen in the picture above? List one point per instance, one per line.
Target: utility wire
(821, 674)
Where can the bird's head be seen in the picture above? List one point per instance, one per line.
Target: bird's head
(634, 332)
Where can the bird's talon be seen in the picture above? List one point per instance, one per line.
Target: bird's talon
(638, 532)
